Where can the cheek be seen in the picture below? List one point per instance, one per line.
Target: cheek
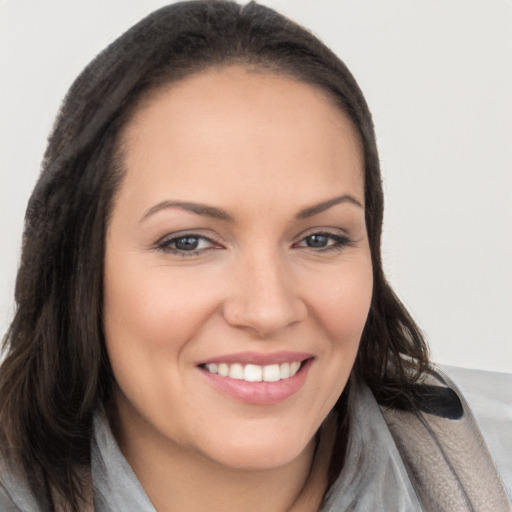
(151, 321)
(339, 307)
(152, 310)
(344, 304)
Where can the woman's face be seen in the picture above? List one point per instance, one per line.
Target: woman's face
(236, 253)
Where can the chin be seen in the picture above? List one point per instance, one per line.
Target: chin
(261, 452)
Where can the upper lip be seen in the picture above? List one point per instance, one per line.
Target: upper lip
(258, 358)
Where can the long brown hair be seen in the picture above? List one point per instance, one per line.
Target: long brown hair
(56, 370)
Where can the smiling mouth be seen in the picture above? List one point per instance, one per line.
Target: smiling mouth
(254, 372)
(258, 379)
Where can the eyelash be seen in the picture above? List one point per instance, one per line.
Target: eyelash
(340, 241)
(166, 245)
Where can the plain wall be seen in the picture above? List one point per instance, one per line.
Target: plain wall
(437, 75)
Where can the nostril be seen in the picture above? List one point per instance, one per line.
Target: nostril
(264, 319)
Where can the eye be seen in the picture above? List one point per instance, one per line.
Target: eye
(187, 243)
(323, 241)
(317, 241)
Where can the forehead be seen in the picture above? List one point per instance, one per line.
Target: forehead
(234, 128)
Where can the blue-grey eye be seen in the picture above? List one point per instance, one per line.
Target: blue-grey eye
(324, 241)
(317, 241)
(187, 243)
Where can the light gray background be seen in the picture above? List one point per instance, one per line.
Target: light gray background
(438, 77)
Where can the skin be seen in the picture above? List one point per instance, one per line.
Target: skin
(261, 147)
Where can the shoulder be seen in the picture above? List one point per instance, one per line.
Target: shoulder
(482, 386)
(6, 503)
(489, 397)
(15, 495)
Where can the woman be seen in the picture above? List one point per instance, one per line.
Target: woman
(202, 312)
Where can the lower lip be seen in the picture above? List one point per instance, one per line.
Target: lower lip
(259, 393)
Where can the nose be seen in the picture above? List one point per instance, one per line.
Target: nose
(263, 300)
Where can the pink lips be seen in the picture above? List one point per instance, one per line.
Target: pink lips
(260, 359)
(258, 393)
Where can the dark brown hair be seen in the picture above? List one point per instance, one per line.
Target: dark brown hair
(56, 370)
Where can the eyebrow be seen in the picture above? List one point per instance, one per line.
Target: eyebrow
(218, 213)
(198, 208)
(325, 205)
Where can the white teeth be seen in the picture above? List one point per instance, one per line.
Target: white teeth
(212, 368)
(294, 368)
(223, 369)
(271, 373)
(254, 372)
(285, 370)
(236, 371)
